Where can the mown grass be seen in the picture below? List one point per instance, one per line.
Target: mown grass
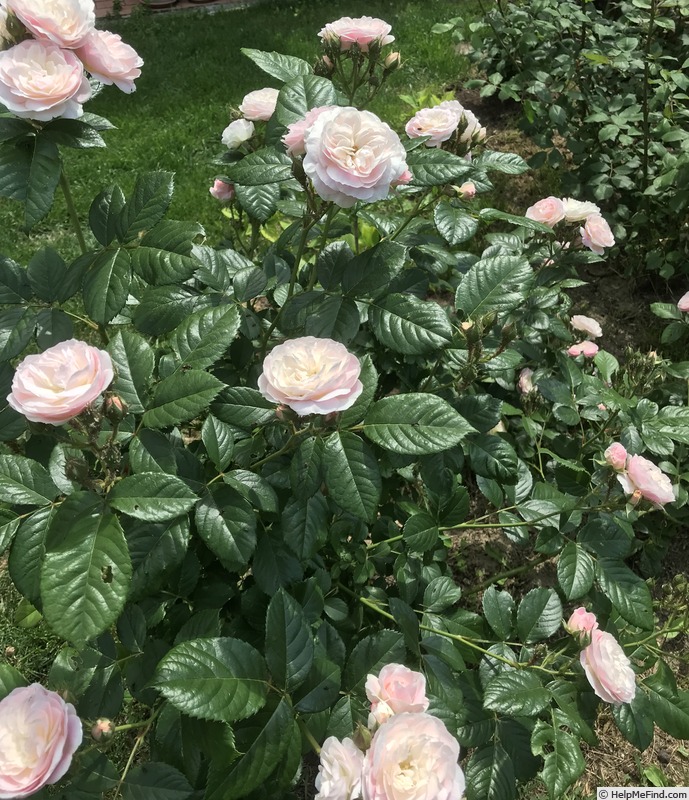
(194, 74)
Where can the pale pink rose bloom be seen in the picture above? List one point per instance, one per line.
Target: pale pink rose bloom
(467, 190)
(40, 81)
(39, 734)
(296, 132)
(58, 384)
(616, 455)
(360, 30)
(683, 304)
(608, 669)
(259, 105)
(237, 132)
(438, 122)
(596, 234)
(578, 210)
(396, 689)
(65, 22)
(339, 773)
(586, 325)
(644, 477)
(222, 191)
(110, 60)
(549, 211)
(582, 621)
(585, 348)
(352, 155)
(412, 757)
(525, 384)
(601, 407)
(311, 376)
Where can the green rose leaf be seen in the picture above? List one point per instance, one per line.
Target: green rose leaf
(352, 474)
(284, 68)
(152, 496)
(87, 569)
(261, 167)
(408, 325)
(626, 591)
(133, 360)
(289, 645)
(24, 481)
(496, 284)
(539, 615)
(205, 335)
(575, 571)
(301, 94)
(106, 284)
(156, 781)
(454, 224)
(181, 397)
(220, 679)
(415, 424)
(516, 693)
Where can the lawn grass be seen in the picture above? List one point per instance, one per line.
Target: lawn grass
(194, 73)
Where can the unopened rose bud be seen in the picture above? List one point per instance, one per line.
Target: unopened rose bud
(467, 191)
(392, 62)
(616, 456)
(525, 382)
(103, 729)
(324, 67)
(635, 499)
(224, 192)
(10, 652)
(467, 326)
(115, 408)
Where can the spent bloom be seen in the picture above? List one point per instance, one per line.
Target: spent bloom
(66, 23)
(586, 325)
(585, 348)
(110, 60)
(259, 105)
(683, 304)
(608, 669)
(644, 477)
(339, 773)
(616, 455)
(237, 132)
(394, 690)
(57, 385)
(311, 376)
(582, 622)
(352, 155)
(578, 210)
(438, 122)
(596, 234)
(549, 211)
(412, 757)
(222, 191)
(296, 132)
(39, 734)
(40, 81)
(362, 31)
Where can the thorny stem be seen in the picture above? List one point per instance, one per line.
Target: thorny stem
(71, 209)
(644, 104)
(506, 574)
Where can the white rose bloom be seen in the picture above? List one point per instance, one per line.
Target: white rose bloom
(577, 210)
(339, 773)
(237, 132)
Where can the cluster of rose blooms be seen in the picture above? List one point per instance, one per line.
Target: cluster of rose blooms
(595, 232)
(47, 45)
(411, 752)
(350, 155)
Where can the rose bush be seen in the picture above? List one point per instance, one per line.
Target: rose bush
(246, 546)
